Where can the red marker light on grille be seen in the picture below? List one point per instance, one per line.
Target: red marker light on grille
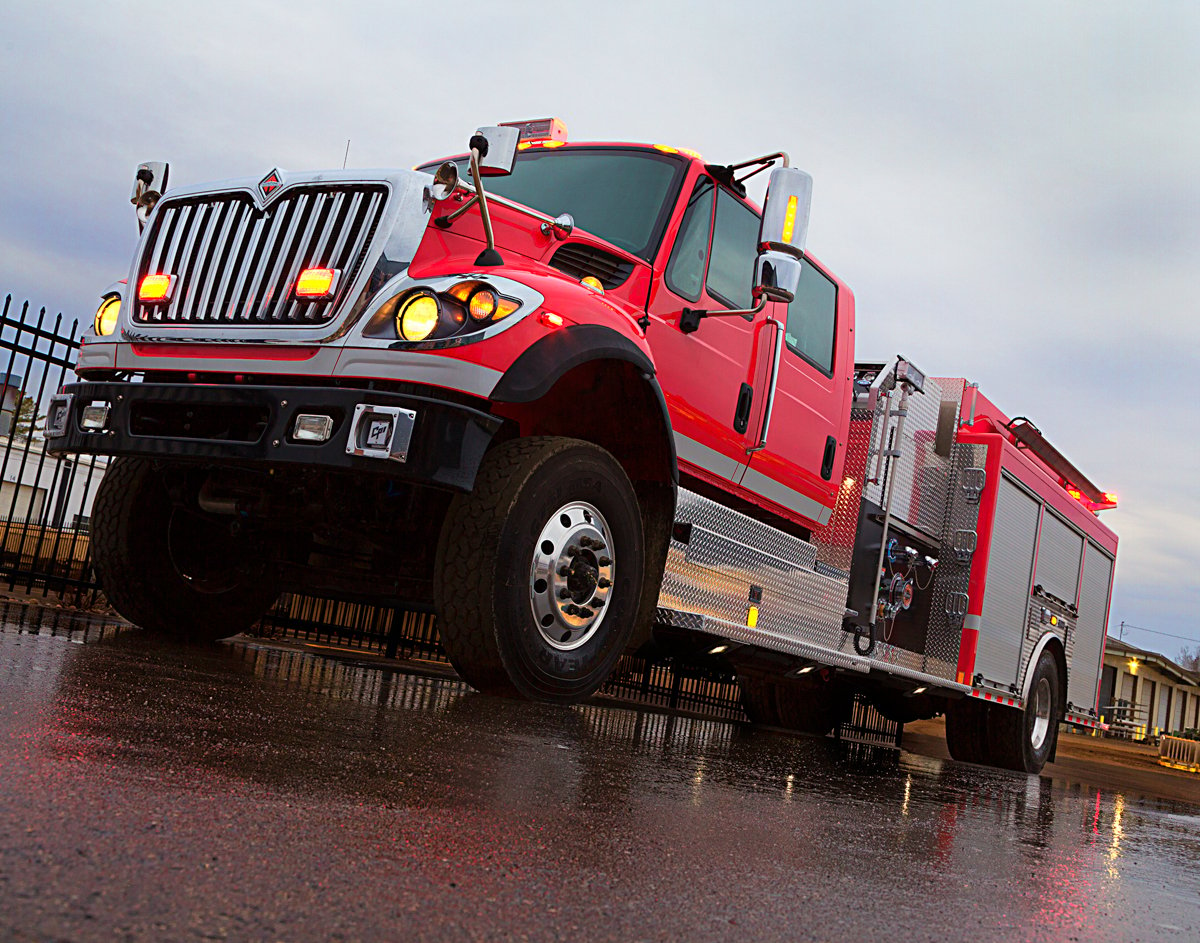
(316, 283)
(154, 289)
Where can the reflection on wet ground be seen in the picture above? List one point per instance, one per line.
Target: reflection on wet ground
(245, 791)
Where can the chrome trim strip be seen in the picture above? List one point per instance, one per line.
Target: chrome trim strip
(758, 483)
(430, 368)
(692, 452)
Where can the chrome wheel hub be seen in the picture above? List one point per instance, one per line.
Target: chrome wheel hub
(1042, 709)
(571, 575)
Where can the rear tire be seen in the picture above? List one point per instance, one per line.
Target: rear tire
(170, 570)
(1021, 740)
(539, 571)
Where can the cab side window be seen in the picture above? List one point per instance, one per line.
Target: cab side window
(734, 248)
(812, 319)
(685, 270)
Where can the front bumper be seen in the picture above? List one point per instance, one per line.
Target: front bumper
(404, 436)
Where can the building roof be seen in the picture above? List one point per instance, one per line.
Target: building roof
(1116, 646)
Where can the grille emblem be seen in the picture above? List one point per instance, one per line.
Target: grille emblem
(269, 184)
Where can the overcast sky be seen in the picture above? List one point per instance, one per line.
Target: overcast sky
(1010, 189)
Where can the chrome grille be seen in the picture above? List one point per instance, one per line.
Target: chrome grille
(237, 264)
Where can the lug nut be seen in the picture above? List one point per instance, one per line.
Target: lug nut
(597, 544)
(605, 561)
(584, 613)
(564, 593)
(585, 541)
(572, 550)
(563, 570)
(597, 603)
(604, 582)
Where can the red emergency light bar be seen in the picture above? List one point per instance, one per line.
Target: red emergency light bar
(1075, 482)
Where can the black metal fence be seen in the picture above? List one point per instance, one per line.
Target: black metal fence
(45, 507)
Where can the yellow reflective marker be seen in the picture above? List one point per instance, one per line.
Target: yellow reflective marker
(789, 219)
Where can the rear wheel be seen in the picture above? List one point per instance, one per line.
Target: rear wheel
(172, 569)
(539, 570)
(1022, 740)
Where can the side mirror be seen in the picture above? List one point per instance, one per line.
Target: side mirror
(498, 152)
(782, 235)
(776, 276)
(785, 213)
(149, 183)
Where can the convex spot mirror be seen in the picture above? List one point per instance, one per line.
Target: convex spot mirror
(498, 152)
(149, 183)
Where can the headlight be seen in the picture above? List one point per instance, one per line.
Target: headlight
(418, 316)
(482, 304)
(448, 310)
(106, 316)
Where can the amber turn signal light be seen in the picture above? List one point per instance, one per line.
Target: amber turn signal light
(316, 283)
(156, 289)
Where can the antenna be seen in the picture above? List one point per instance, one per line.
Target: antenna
(347, 156)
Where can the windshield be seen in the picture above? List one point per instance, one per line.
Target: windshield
(622, 195)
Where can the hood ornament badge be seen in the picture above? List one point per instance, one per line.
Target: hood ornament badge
(269, 185)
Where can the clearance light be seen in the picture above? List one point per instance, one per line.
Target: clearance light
(688, 152)
(717, 649)
(752, 617)
(156, 289)
(316, 283)
(592, 282)
(106, 315)
(666, 148)
(789, 219)
(551, 320)
(805, 670)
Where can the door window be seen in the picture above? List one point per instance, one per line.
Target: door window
(734, 248)
(812, 318)
(685, 270)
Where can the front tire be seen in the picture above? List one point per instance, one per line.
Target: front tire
(539, 571)
(171, 570)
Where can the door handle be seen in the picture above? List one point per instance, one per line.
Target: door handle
(741, 416)
(827, 460)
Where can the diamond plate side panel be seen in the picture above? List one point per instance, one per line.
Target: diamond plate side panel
(835, 541)
(943, 636)
(921, 487)
(734, 553)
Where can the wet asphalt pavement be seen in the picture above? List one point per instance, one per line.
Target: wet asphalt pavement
(247, 792)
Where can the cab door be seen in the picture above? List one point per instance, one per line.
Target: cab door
(800, 467)
(711, 377)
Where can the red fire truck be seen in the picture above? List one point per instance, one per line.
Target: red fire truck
(602, 403)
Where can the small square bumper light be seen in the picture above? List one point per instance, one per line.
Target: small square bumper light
(94, 417)
(312, 428)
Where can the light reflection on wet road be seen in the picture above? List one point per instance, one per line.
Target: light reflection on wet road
(248, 792)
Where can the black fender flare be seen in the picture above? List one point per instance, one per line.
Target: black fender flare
(541, 366)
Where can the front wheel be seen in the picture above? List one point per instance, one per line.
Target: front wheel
(170, 568)
(539, 570)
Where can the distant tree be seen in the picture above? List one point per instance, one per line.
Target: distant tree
(1189, 658)
(27, 421)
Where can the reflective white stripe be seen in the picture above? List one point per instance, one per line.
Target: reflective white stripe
(692, 452)
(710, 460)
(973, 622)
(434, 369)
(769, 488)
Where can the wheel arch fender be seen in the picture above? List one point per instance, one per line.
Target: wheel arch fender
(1053, 643)
(536, 371)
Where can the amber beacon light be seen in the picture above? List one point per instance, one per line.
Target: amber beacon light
(316, 284)
(156, 289)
